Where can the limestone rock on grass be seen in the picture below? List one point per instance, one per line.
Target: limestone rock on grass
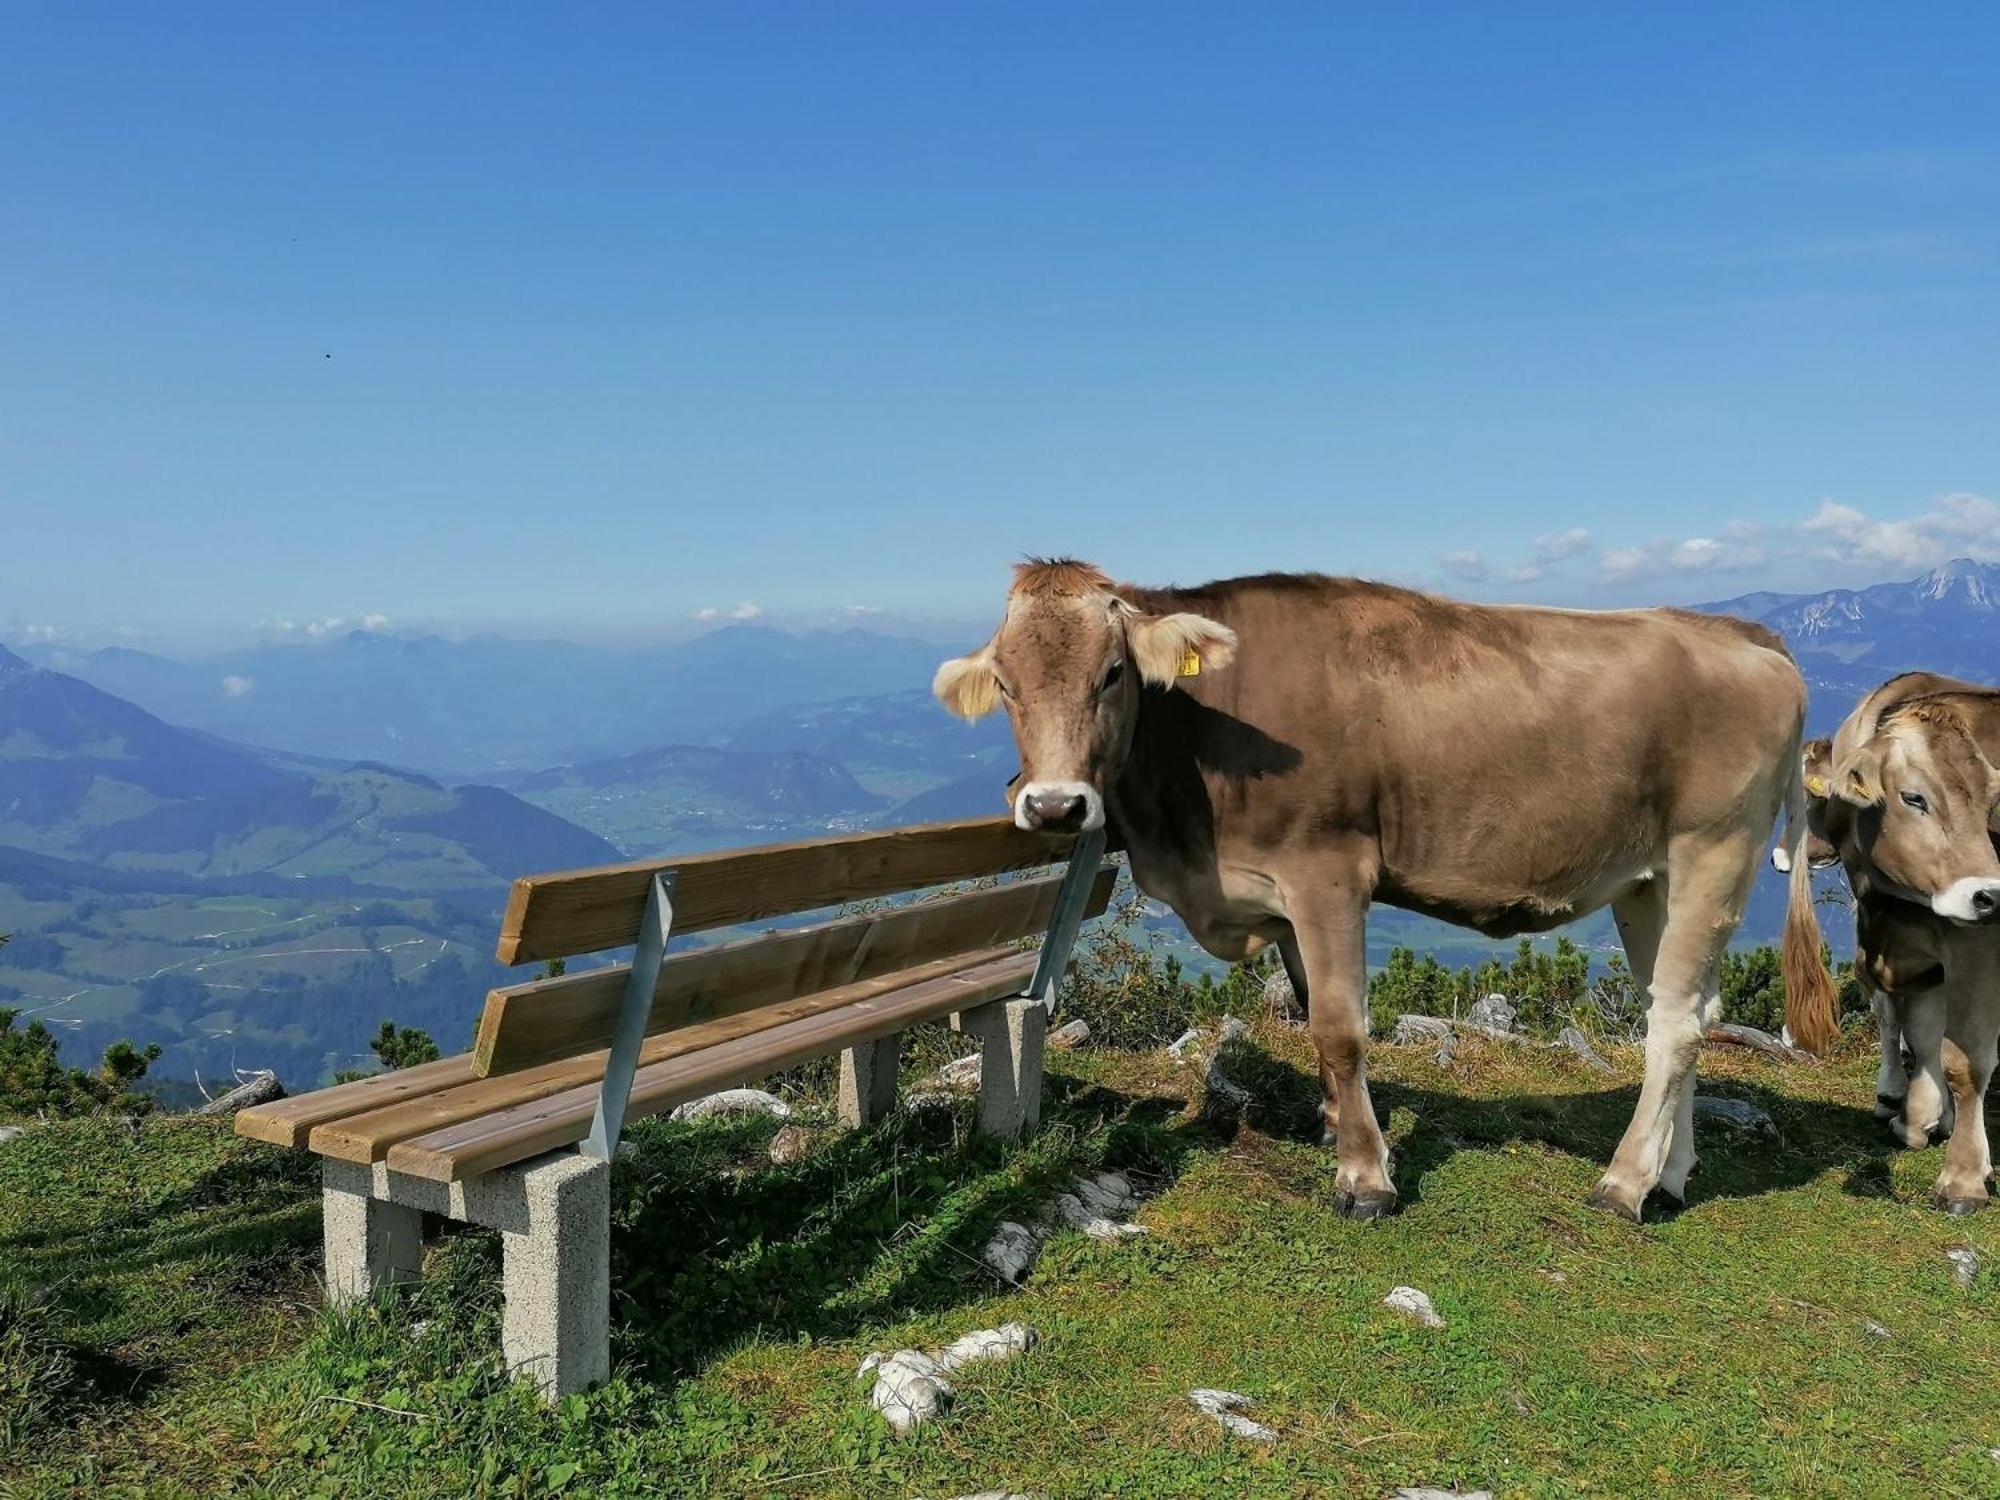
(1011, 1253)
(1737, 1113)
(11, 1133)
(1227, 1408)
(1070, 1035)
(733, 1102)
(1578, 1043)
(1496, 1013)
(1414, 1305)
(912, 1387)
(963, 1073)
(790, 1144)
(1281, 1000)
(1964, 1265)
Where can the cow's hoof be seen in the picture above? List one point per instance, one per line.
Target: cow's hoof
(1888, 1106)
(1365, 1206)
(1958, 1208)
(1612, 1199)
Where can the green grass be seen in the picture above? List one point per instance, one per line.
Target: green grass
(1723, 1350)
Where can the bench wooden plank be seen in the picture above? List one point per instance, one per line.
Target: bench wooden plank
(288, 1122)
(526, 1025)
(585, 911)
(367, 1137)
(473, 1146)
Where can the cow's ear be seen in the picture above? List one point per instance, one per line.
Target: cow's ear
(1858, 779)
(966, 684)
(1170, 647)
(1817, 757)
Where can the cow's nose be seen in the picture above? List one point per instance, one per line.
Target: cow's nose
(1055, 809)
(1986, 903)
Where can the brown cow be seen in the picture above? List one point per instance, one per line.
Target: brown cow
(1278, 752)
(1911, 804)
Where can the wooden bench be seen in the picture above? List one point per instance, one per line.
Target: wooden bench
(518, 1134)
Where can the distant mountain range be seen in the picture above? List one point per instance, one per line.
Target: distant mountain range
(1849, 640)
(464, 708)
(85, 775)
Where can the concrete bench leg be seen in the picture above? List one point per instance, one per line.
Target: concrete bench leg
(1011, 1036)
(370, 1244)
(868, 1080)
(556, 1327)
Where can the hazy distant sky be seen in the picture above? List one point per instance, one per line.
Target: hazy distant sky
(598, 316)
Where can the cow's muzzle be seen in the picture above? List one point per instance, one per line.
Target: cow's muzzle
(1059, 807)
(1973, 901)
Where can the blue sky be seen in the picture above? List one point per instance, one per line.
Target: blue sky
(589, 319)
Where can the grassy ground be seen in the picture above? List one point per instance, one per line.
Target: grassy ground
(159, 1332)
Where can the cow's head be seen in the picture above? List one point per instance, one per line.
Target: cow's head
(1070, 661)
(1923, 798)
(1826, 817)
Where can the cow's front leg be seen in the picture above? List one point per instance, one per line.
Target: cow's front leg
(1331, 934)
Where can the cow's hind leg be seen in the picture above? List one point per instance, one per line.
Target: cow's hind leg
(1927, 1101)
(1331, 925)
(1709, 881)
(1892, 1078)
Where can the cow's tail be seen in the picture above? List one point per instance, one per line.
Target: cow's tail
(1810, 998)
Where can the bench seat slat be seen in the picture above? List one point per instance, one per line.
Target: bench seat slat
(568, 912)
(367, 1137)
(529, 1024)
(498, 1139)
(288, 1122)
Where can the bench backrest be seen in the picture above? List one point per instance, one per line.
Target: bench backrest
(582, 911)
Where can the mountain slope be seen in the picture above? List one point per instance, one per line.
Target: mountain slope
(85, 775)
(1848, 640)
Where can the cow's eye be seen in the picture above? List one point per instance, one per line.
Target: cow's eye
(1005, 691)
(1111, 675)
(1916, 800)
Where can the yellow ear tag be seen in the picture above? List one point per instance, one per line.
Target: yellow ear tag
(1816, 785)
(1190, 663)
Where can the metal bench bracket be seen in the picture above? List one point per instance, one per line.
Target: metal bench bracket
(1071, 901)
(633, 1014)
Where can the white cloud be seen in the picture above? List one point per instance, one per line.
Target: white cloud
(744, 611)
(1560, 546)
(1624, 562)
(323, 629)
(238, 687)
(1468, 565)
(42, 635)
(1955, 525)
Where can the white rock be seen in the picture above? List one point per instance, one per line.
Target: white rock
(1578, 1043)
(1413, 1304)
(1281, 1000)
(1424, 1492)
(1070, 1035)
(1071, 1212)
(1107, 1193)
(912, 1387)
(734, 1102)
(1737, 1113)
(984, 1345)
(1495, 1013)
(11, 1133)
(1874, 1330)
(1223, 1090)
(961, 1073)
(1412, 1029)
(1011, 1252)
(1964, 1265)
(1179, 1048)
(1234, 1029)
(1226, 1407)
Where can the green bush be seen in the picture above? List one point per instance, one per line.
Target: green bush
(33, 1080)
(1133, 995)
